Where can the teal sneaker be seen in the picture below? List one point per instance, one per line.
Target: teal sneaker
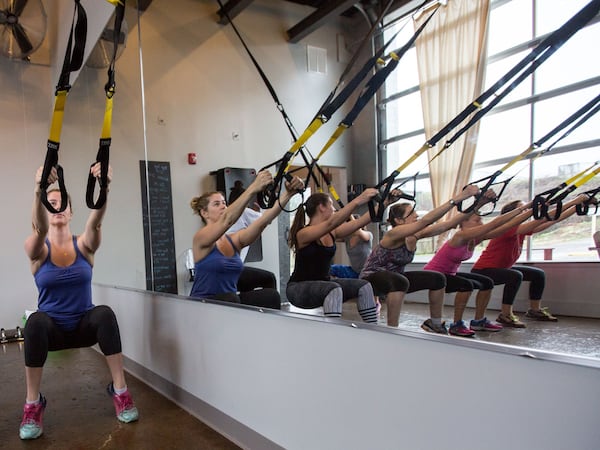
(124, 407)
(31, 425)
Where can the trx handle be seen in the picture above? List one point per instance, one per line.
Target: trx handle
(50, 162)
(102, 158)
(482, 191)
(268, 197)
(377, 203)
(541, 206)
(582, 209)
(384, 189)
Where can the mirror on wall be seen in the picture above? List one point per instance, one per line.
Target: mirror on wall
(183, 89)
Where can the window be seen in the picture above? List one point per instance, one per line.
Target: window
(563, 84)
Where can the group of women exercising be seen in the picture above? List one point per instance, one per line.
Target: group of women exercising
(62, 263)
(318, 225)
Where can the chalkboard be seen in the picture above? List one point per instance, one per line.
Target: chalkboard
(159, 234)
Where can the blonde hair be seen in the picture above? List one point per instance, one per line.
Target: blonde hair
(199, 204)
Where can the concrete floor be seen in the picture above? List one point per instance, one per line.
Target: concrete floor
(80, 415)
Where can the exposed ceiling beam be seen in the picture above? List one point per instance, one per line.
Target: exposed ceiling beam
(324, 14)
(232, 8)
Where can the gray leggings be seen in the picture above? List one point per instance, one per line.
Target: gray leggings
(331, 295)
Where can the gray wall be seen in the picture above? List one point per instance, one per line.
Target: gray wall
(268, 379)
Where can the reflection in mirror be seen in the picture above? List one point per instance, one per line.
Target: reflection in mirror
(171, 76)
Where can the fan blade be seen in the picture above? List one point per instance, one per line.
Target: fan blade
(3, 17)
(18, 6)
(22, 39)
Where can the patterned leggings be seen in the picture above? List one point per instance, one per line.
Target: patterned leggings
(331, 295)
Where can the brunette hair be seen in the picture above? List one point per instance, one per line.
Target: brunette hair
(510, 206)
(398, 211)
(308, 208)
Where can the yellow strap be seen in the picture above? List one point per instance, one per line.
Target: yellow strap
(106, 126)
(336, 134)
(576, 177)
(413, 157)
(518, 158)
(115, 2)
(310, 130)
(57, 115)
(333, 192)
(587, 177)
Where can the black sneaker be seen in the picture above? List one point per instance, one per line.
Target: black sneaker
(429, 326)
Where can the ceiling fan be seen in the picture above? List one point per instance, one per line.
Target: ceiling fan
(22, 27)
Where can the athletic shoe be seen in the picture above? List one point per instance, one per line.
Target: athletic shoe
(540, 314)
(485, 325)
(510, 320)
(429, 326)
(460, 329)
(124, 407)
(31, 425)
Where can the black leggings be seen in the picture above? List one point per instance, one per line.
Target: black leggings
(386, 281)
(262, 298)
(97, 326)
(252, 278)
(512, 279)
(421, 280)
(468, 282)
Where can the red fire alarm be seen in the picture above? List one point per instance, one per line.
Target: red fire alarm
(191, 158)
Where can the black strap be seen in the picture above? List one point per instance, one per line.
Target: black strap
(530, 63)
(103, 155)
(534, 59)
(72, 62)
(576, 119)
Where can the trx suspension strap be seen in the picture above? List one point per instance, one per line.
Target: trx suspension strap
(102, 156)
(331, 105)
(72, 62)
(541, 202)
(372, 87)
(533, 60)
(575, 120)
(278, 103)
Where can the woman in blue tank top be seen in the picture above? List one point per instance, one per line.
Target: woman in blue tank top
(217, 261)
(61, 264)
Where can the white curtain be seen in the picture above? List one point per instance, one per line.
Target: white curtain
(451, 55)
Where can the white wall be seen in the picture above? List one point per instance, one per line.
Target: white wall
(304, 383)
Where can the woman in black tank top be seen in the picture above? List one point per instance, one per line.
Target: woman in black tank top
(314, 245)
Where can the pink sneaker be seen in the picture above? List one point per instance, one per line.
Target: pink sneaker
(485, 325)
(31, 425)
(460, 329)
(124, 407)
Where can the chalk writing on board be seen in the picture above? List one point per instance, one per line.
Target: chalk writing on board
(159, 234)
